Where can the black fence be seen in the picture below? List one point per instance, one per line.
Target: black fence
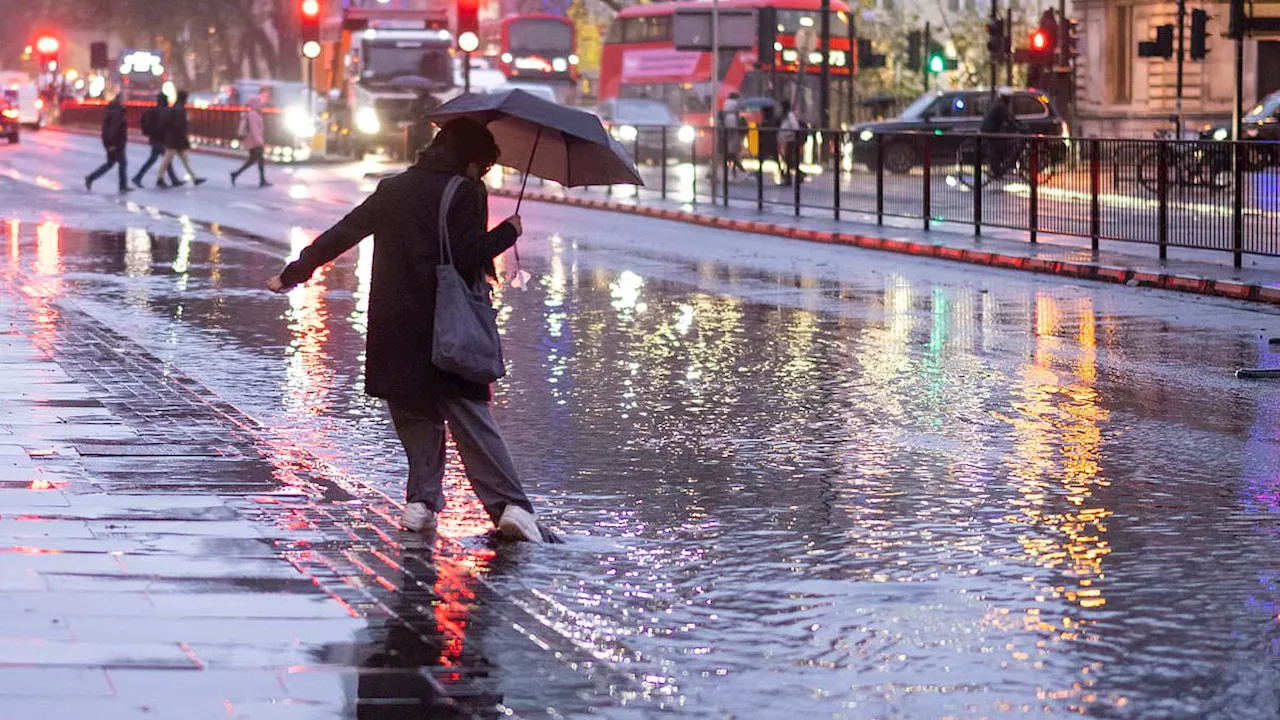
(209, 126)
(1204, 194)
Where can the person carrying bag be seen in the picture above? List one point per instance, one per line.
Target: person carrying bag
(432, 346)
(465, 340)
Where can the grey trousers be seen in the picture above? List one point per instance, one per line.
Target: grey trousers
(484, 453)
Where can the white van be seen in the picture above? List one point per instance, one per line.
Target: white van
(23, 93)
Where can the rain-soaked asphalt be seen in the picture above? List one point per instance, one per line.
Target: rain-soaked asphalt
(795, 481)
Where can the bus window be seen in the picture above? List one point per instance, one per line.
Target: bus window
(789, 21)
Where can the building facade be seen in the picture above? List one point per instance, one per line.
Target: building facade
(1122, 95)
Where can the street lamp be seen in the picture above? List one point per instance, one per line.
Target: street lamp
(468, 42)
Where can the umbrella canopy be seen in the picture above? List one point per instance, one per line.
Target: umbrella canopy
(542, 138)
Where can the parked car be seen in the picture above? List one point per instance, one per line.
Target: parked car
(947, 116)
(639, 126)
(9, 119)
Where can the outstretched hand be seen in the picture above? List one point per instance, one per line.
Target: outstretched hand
(276, 285)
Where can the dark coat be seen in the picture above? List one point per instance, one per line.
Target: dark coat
(115, 132)
(175, 128)
(161, 111)
(402, 216)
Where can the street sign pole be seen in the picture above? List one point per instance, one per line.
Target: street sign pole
(1008, 48)
(715, 98)
(824, 92)
(995, 54)
(1182, 17)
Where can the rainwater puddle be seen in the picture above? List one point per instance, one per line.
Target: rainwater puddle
(882, 497)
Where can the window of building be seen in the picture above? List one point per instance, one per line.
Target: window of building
(1121, 50)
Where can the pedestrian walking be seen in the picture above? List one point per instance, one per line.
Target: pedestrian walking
(731, 121)
(790, 138)
(404, 217)
(115, 139)
(177, 142)
(253, 137)
(153, 124)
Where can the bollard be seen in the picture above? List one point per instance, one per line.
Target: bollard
(1237, 204)
(835, 177)
(1162, 222)
(879, 179)
(795, 173)
(1095, 178)
(759, 179)
(724, 164)
(926, 198)
(978, 145)
(663, 164)
(693, 161)
(1034, 206)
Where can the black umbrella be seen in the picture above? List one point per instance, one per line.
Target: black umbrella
(542, 138)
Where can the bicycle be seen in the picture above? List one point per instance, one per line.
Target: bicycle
(1002, 156)
(1188, 163)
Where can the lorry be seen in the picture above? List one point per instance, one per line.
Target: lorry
(380, 69)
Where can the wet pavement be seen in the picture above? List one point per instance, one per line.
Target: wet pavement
(794, 480)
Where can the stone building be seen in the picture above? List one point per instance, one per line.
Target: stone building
(1122, 95)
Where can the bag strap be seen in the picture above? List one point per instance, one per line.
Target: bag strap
(442, 229)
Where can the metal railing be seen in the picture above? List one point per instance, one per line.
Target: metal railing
(1203, 194)
(209, 126)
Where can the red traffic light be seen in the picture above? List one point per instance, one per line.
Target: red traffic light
(310, 8)
(47, 45)
(1039, 40)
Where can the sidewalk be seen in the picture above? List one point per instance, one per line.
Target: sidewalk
(1195, 271)
(164, 555)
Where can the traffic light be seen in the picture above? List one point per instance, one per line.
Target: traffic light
(997, 41)
(914, 41)
(866, 57)
(310, 27)
(1199, 34)
(47, 46)
(1162, 47)
(767, 36)
(1072, 50)
(468, 17)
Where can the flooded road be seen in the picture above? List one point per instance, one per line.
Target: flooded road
(797, 481)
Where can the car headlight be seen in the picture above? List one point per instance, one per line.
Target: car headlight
(10, 113)
(299, 123)
(367, 121)
(507, 58)
(1221, 134)
(866, 136)
(559, 64)
(627, 133)
(686, 134)
(573, 59)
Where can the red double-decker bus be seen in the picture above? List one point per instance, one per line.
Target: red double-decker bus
(640, 61)
(536, 48)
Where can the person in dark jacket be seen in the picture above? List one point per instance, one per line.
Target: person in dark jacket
(999, 120)
(176, 141)
(115, 138)
(402, 215)
(153, 121)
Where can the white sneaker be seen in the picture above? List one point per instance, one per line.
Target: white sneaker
(418, 517)
(519, 524)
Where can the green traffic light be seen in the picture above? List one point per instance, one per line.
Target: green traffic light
(937, 64)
